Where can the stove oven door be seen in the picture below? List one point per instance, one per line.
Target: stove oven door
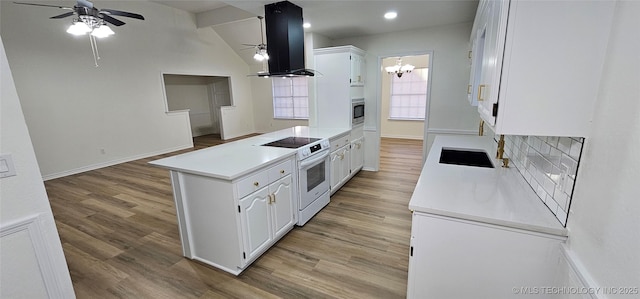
(314, 177)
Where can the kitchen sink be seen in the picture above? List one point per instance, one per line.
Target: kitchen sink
(467, 157)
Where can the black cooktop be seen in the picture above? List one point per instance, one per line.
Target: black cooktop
(292, 142)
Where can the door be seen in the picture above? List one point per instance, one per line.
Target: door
(282, 205)
(256, 222)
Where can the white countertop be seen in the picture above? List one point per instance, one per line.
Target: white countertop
(233, 160)
(491, 195)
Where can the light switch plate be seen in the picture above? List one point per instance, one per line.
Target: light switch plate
(6, 166)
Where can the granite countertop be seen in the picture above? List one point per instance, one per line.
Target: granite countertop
(497, 195)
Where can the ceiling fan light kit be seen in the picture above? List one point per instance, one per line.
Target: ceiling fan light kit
(91, 20)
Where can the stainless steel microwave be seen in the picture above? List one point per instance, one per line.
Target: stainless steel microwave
(357, 111)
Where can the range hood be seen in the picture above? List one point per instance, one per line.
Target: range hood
(285, 40)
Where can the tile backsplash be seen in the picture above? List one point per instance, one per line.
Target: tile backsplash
(549, 165)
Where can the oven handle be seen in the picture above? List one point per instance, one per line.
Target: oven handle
(306, 163)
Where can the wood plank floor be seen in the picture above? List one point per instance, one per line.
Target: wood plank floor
(120, 237)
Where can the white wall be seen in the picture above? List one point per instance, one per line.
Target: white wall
(74, 110)
(32, 263)
(604, 225)
(449, 109)
(409, 129)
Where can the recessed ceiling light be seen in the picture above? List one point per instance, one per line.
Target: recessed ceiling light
(306, 25)
(390, 15)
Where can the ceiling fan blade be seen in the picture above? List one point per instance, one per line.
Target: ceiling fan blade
(45, 5)
(62, 16)
(122, 13)
(111, 20)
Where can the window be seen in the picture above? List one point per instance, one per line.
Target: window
(409, 95)
(290, 98)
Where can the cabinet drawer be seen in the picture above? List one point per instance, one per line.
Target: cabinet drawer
(252, 183)
(279, 171)
(339, 142)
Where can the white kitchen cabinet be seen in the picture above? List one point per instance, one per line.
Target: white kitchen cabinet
(541, 63)
(357, 69)
(357, 155)
(266, 216)
(455, 258)
(340, 167)
(342, 79)
(339, 158)
(230, 223)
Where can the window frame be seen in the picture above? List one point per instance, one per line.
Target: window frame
(291, 98)
(425, 94)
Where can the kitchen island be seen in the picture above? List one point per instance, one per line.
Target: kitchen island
(235, 200)
(481, 228)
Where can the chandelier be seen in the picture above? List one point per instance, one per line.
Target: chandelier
(399, 69)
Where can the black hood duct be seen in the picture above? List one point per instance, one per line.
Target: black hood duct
(285, 40)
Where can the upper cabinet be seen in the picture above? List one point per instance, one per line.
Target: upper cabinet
(536, 65)
(357, 69)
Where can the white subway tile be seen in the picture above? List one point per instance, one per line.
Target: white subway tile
(564, 144)
(576, 148)
(562, 217)
(553, 141)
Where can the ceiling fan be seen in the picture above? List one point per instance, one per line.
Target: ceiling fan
(261, 49)
(90, 19)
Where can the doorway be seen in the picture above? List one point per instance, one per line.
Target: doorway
(202, 97)
(404, 100)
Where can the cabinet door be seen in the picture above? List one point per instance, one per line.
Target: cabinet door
(491, 35)
(255, 214)
(357, 73)
(345, 165)
(282, 205)
(335, 169)
(357, 154)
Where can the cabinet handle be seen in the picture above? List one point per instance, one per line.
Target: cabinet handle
(274, 197)
(469, 89)
(281, 171)
(269, 195)
(480, 87)
(469, 54)
(256, 184)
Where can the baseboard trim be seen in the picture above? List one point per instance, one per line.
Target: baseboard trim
(580, 271)
(112, 162)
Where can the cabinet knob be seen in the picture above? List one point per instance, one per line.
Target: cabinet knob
(256, 184)
(282, 171)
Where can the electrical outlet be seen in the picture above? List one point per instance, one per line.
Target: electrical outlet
(7, 168)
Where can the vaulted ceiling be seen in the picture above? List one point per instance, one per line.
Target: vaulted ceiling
(235, 20)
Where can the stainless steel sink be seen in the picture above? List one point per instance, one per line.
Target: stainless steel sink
(467, 157)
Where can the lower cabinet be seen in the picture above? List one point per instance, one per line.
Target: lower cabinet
(357, 154)
(455, 258)
(266, 215)
(340, 167)
(229, 224)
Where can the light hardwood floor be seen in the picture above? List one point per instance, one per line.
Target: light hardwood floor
(120, 237)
